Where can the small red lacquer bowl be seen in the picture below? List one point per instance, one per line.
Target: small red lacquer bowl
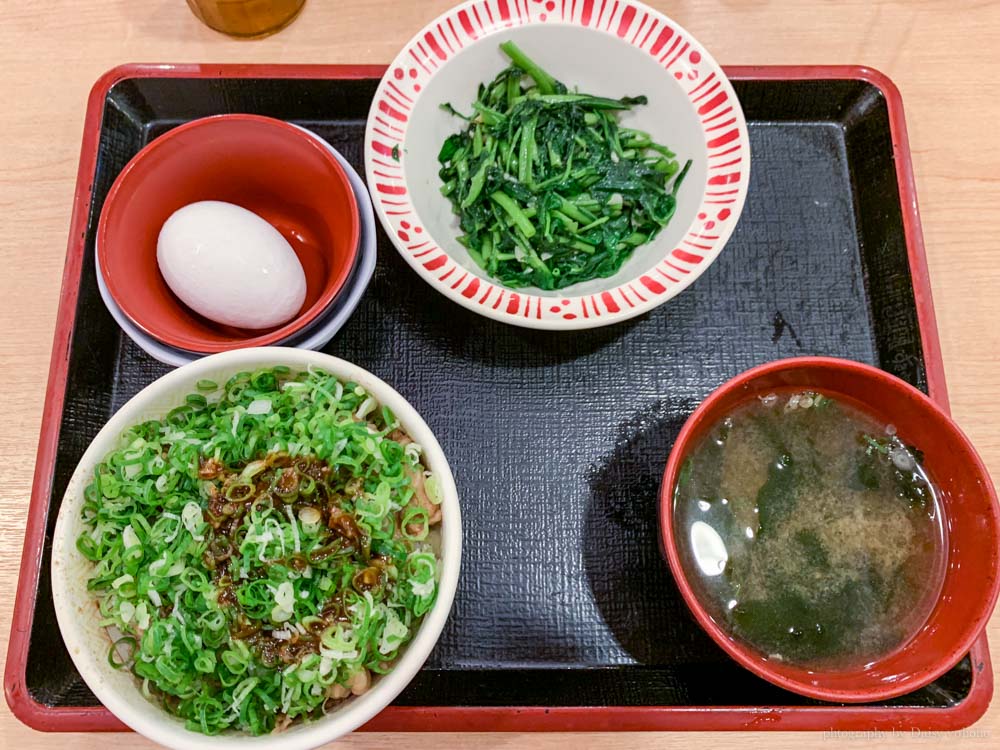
(967, 498)
(264, 165)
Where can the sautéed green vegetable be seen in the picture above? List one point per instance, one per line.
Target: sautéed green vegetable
(549, 188)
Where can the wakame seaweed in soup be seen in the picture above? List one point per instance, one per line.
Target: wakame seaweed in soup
(810, 531)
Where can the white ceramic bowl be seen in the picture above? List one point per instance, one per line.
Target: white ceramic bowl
(88, 643)
(610, 49)
(318, 333)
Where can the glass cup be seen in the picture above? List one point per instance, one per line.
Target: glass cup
(247, 19)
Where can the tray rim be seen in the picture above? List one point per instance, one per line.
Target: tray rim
(473, 718)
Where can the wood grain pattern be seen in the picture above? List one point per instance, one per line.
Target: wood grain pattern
(939, 52)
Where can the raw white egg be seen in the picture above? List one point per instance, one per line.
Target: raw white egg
(230, 265)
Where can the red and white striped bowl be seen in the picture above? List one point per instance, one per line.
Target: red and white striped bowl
(607, 47)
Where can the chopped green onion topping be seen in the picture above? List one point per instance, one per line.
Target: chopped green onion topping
(261, 553)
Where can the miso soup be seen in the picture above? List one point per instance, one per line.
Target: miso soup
(810, 531)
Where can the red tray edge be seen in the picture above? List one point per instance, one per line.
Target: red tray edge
(477, 718)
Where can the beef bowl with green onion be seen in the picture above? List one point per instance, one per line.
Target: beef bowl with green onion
(260, 549)
(557, 167)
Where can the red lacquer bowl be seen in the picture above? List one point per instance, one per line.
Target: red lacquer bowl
(971, 516)
(264, 165)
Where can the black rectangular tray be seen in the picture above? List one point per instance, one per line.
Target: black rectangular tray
(566, 616)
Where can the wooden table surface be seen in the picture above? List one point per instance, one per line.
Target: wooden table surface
(937, 51)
